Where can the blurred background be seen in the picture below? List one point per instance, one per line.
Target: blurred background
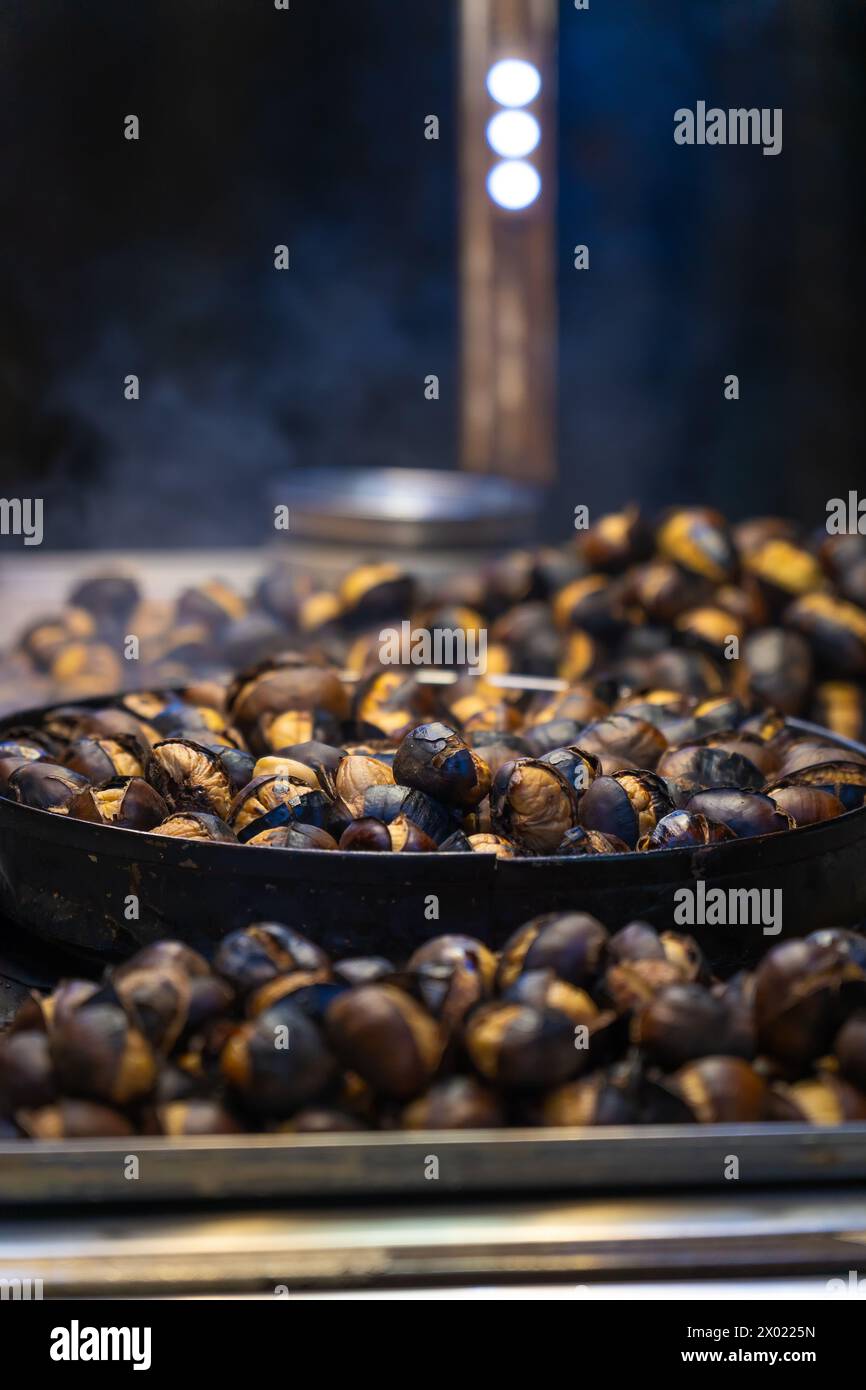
(156, 258)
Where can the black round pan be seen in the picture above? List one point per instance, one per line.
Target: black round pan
(103, 891)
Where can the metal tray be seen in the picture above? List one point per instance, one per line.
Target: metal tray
(324, 1167)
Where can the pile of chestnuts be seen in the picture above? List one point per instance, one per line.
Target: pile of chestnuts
(289, 755)
(625, 607)
(567, 1025)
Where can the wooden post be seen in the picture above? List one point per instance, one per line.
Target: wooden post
(507, 258)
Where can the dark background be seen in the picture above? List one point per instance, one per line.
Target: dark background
(260, 127)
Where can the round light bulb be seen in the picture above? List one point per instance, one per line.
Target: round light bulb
(513, 184)
(513, 82)
(513, 134)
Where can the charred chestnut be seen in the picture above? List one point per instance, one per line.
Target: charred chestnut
(127, 802)
(196, 825)
(592, 1100)
(806, 805)
(722, 1090)
(532, 805)
(797, 987)
(460, 1102)
(278, 1062)
(46, 787)
(400, 836)
(26, 1072)
(679, 828)
(679, 1024)
(254, 955)
(572, 944)
(579, 841)
(294, 836)
(73, 1119)
(694, 767)
(745, 813)
(98, 1054)
(628, 805)
(190, 777)
(435, 759)
(515, 1045)
(99, 759)
(388, 1038)
(622, 738)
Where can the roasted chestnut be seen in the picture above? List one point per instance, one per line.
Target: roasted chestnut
(532, 805)
(278, 1062)
(254, 955)
(679, 1024)
(518, 1046)
(400, 836)
(850, 1049)
(195, 1116)
(297, 835)
(460, 1102)
(190, 777)
(578, 841)
(577, 767)
(622, 738)
(435, 759)
(355, 775)
(844, 780)
(362, 970)
(459, 951)
(699, 541)
(592, 1100)
(127, 802)
(491, 844)
(73, 1119)
(745, 813)
(388, 1038)
(156, 1000)
(628, 805)
(822, 1100)
(694, 767)
(722, 1090)
(45, 786)
(572, 944)
(99, 759)
(26, 1072)
(684, 828)
(196, 825)
(98, 1054)
(806, 805)
(797, 988)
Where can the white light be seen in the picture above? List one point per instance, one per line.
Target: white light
(513, 134)
(513, 82)
(513, 184)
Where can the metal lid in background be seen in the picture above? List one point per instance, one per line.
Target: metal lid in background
(409, 508)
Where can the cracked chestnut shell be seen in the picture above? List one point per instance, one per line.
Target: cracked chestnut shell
(532, 805)
(252, 956)
(579, 841)
(806, 805)
(578, 768)
(196, 825)
(798, 986)
(399, 836)
(520, 1047)
(694, 767)
(572, 944)
(99, 759)
(46, 787)
(264, 796)
(698, 540)
(623, 738)
(844, 780)
(156, 1000)
(295, 836)
(98, 1054)
(745, 813)
(628, 805)
(435, 759)
(454, 949)
(190, 777)
(129, 803)
(387, 1038)
(355, 776)
(277, 1062)
(679, 828)
(722, 1090)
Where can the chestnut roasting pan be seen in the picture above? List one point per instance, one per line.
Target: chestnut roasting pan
(101, 892)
